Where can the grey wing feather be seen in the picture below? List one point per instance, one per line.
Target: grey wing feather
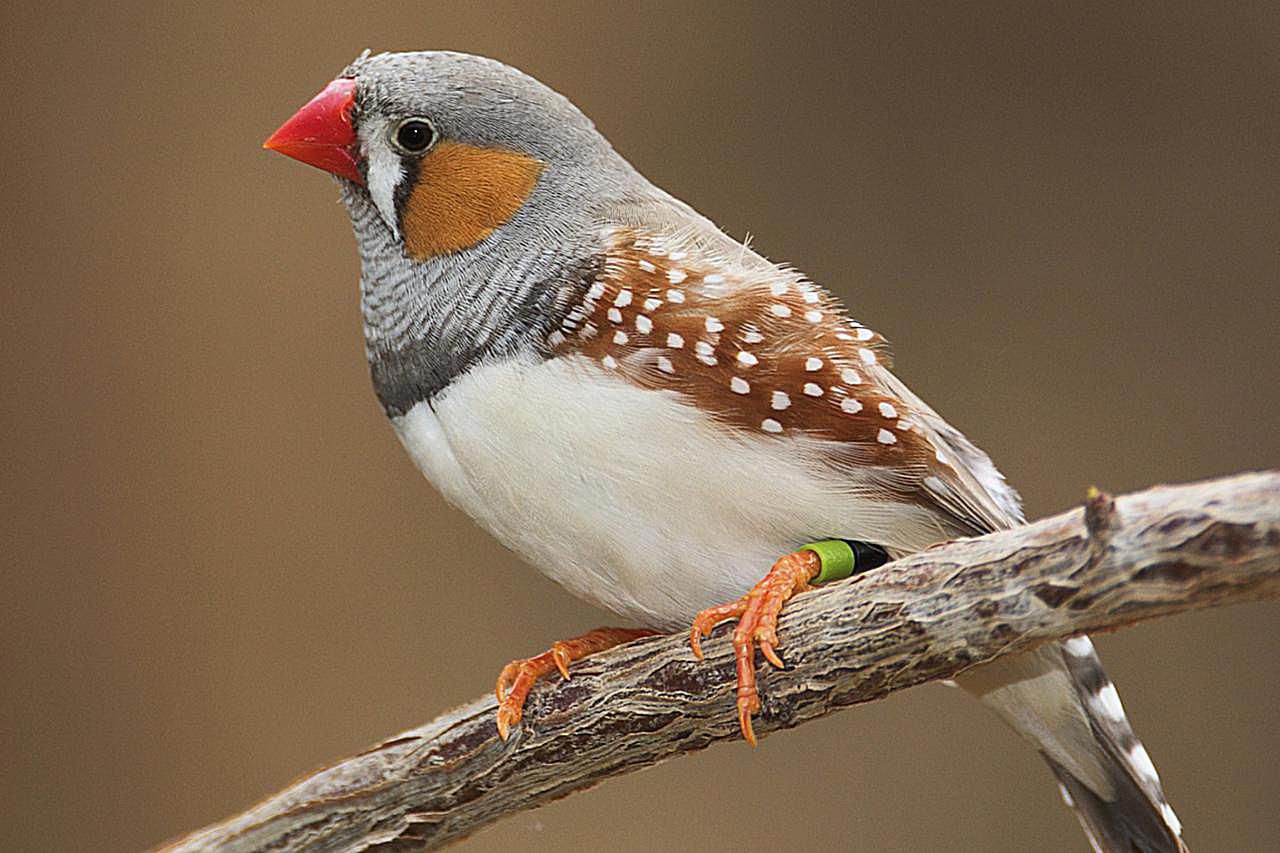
(971, 491)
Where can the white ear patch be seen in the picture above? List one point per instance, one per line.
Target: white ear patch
(384, 171)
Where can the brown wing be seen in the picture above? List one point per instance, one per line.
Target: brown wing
(768, 353)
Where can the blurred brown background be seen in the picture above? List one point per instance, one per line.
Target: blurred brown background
(220, 570)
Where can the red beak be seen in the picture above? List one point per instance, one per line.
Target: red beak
(320, 134)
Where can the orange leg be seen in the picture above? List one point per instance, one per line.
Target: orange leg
(757, 614)
(517, 677)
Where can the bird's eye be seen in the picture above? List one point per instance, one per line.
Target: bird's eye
(414, 135)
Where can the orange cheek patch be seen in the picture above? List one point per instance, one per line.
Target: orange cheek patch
(462, 195)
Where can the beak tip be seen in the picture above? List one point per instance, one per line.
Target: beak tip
(320, 134)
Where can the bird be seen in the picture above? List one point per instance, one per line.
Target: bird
(657, 417)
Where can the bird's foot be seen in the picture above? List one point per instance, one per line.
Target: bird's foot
(757, 615)
(517, 677)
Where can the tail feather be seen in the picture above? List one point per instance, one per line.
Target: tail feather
(1126, 823)
(1060, 698)
(1139, 807)
(1057, 696)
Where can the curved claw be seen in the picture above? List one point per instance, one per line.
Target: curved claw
(766, 648)
(744, 723)
(508, 717)
(695, 640)
(560, 654)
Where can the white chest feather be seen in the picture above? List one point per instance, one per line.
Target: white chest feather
(631, 498)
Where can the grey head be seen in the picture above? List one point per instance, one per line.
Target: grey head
(479, 216)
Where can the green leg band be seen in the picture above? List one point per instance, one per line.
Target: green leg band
(837, 558)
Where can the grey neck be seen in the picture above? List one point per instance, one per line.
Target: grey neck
(426, 323)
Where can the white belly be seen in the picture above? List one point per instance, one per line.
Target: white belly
(630, 498)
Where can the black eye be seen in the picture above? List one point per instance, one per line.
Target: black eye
(414, 136)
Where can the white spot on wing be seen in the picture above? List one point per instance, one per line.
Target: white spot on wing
(887, 410)
(780, 401)
(811, 364)
(714, 325)
(652, 303)
(747, 359)
(623, 298)
(813, 389)
(665, 365)
(674, 341)
(615, 316)
(675, 296)
(676, 276)
(647, 266)
(609, 362)
(886, 437)
(779, 310)
(867, 356)
(770, 425)
(738, 385)
(620, 337)
(850, 406)
(643, 324)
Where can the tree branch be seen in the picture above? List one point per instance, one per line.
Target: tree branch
(929, 616)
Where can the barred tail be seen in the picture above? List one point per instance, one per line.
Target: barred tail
(1060, 698)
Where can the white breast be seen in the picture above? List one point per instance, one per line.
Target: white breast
(631, 498)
